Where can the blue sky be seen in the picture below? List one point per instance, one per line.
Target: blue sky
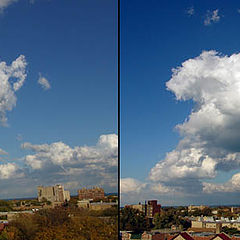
(156, 37)
(73, 46)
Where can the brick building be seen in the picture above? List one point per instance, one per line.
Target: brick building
(94, 193)
(150, 208)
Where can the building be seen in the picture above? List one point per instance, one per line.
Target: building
(208, 224)
(182, 236)
(150, 208)
(94, 193)
(193, 208)
(83, 204)
(221, 236)
(53, 194)
(235, 210)
(96, 206)
(138, 207)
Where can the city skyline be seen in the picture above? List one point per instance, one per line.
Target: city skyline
(58, 100)
(180, 98)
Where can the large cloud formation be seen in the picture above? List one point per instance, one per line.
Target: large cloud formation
(58, 163)
(11, 80)
(80, 165)
(211, 134)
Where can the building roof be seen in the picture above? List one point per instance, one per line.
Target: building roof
(223, 236)
(194, 229)
(184, 235)
(161, 236)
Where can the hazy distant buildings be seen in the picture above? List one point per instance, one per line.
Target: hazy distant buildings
(209, 224)
(87, 204)
(193, 208)
(53, 194)
(95, 193)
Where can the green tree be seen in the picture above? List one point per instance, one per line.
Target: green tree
(132, 220)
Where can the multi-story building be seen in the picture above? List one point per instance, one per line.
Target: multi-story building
(150, 208)
(53, 194)
(138, 207)
(94, 193)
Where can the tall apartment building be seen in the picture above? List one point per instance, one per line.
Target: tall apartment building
(94, 193)
(150, 208)
(53, 193)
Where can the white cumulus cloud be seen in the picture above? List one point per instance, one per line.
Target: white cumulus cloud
(11, 80)
(233, 185)
(83, 164)
(211, 133)
(8, 170)
(130, 185)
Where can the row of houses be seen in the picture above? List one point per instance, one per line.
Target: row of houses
(213, 225)
(179, 236)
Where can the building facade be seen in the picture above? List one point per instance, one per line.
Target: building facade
(150, 208)
(53, 194)
(95, 193)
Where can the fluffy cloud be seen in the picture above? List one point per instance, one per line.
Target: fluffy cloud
(11, 80)
(233, 185)
(211, 133)
(130, 185)
(9, 170)
(44, 83)
(58, 163)
(133, 190)
(211, 17)
(87, 165)
(59, 153)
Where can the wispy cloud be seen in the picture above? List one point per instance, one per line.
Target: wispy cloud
(190, 11)
(2, 152)
(5, 3)
(44, 82)
(211, 17)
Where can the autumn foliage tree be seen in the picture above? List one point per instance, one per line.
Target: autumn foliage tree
(60, 224)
